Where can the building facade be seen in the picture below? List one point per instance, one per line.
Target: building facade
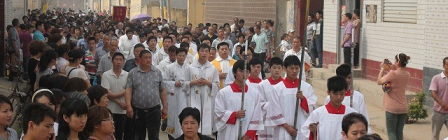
(416, 27)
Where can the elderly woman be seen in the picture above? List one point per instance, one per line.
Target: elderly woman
(189, 119)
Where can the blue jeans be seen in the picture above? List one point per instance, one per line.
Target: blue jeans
(319, 48)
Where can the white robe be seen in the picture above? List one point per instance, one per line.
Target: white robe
(272, 111)
(163, 65)
(227, 102)
(329, 127)
(189, 60)
(176, 96)
(287, 100)
(208, 94)
(159, 56)
(358, 105)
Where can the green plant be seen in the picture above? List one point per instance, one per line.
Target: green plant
(416, 108)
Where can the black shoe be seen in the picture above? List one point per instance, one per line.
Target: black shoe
(164, 125)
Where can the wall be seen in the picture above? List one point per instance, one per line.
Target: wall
(330, 32)
(223, 11)
(14, 9)
(424, 41)
(195, 12)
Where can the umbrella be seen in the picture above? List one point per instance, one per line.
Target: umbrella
(141, 17)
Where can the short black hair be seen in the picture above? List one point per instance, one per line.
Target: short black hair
(222, 44)
(62, 49)
(167, 37)
(4, 99)
(141, 35)
(351, 119)
(95, 93)
(189, 111)
(57, 82)
(172, 49)
(320, 12)
(241, 21)
(444, 60)
(311, 15)
(291, 60)
(36, 113)
(186, 33)
(144, 52)
(90, 39)
(356, 11)
(244, 49)
(343, 70)
(239, 65)
(371, 137)
(150, 38)
(184, 44)
(117, 54)
(203, 46)
(139, 45)
(276, 61)
(348, 15)
(22, 26)
(15, 22)
(74, 55)
(255, 62)
(38, 23)
(181, 49)
(336, 84)
(130, 31)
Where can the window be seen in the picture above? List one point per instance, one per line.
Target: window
(400, 11)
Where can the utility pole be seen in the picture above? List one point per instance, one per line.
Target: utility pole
(168, 8)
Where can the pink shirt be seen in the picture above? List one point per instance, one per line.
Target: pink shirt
(439, 84)
(395, 100)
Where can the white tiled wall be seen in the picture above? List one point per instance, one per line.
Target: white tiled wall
(330, 23)
(13, 9)
(426, 42)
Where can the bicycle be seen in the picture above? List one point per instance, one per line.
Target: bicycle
(19, 97)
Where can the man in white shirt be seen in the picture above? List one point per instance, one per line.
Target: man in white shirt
(105, 63)
(310, 35)
(119, 28)
(296, 50)
(221, 38)
(162, 54)
(223, 62)
(114, 80)
(151, 45)
(126, 43)
(235, 22)
(167, 61)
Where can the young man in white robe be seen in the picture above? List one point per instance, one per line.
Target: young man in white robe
(287, 94)
(344, 71)
(177, 85)
(255, 70)
(228, 109)
(297, 51)
(325, 122)
(162, 53)
(189, 58)
(204, 85)
(229, 78)
(167, 61)
(270, 104)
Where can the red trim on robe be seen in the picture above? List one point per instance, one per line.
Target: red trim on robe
(312, 136)
(291, 84)
(332, 110)
(252, 134)
(347, 93)
(304, 105)
(236, 88)
(232, 119)
(274, 82)
(253, 80)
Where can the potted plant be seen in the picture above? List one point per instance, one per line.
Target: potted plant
(416, 108)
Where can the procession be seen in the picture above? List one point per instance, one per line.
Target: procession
(94, 75)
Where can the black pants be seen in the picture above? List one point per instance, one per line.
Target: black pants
(129, 132)
(348, 55)
(12, 74)
(147, 120)
(26, 60)
(356, 61)
(119, 122)
(262, 58)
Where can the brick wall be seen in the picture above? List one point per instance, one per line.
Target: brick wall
(14, 9)
(249, 10)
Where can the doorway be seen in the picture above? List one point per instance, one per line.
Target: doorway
(348, 6)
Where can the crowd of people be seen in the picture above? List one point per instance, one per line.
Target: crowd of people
(94, 78)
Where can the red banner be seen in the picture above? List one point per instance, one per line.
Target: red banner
(119, 13)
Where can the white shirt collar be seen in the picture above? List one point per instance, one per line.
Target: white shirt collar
(443, 75)
(218, 58)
